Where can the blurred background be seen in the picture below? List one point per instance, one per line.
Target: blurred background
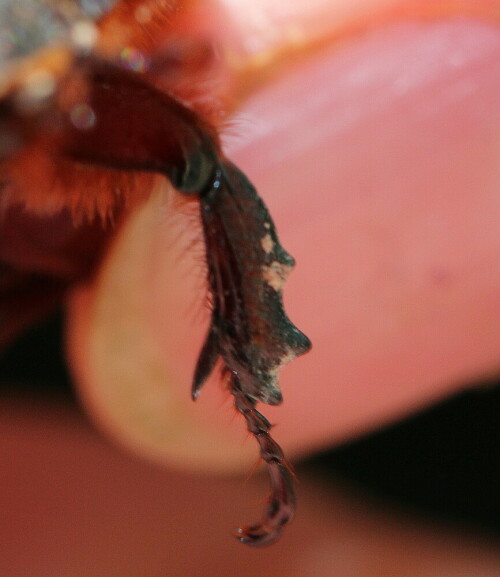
(417, 498)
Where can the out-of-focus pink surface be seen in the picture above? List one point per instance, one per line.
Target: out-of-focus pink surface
(72, 505)
(379, 161)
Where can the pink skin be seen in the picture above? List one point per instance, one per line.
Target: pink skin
(378, 161)
(381, 168)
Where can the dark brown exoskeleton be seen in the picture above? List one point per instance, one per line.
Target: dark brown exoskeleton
(118, 121)
(249, 330)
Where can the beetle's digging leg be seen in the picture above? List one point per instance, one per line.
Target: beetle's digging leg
(280, 507)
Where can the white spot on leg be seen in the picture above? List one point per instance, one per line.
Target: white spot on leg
(272, 375)
(267, 243)
(276, 274)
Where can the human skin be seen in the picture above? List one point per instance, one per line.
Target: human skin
(377, 157)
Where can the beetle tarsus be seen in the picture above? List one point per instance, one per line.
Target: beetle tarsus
(281, 503)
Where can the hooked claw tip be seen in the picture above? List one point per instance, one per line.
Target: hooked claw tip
(258, 535)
